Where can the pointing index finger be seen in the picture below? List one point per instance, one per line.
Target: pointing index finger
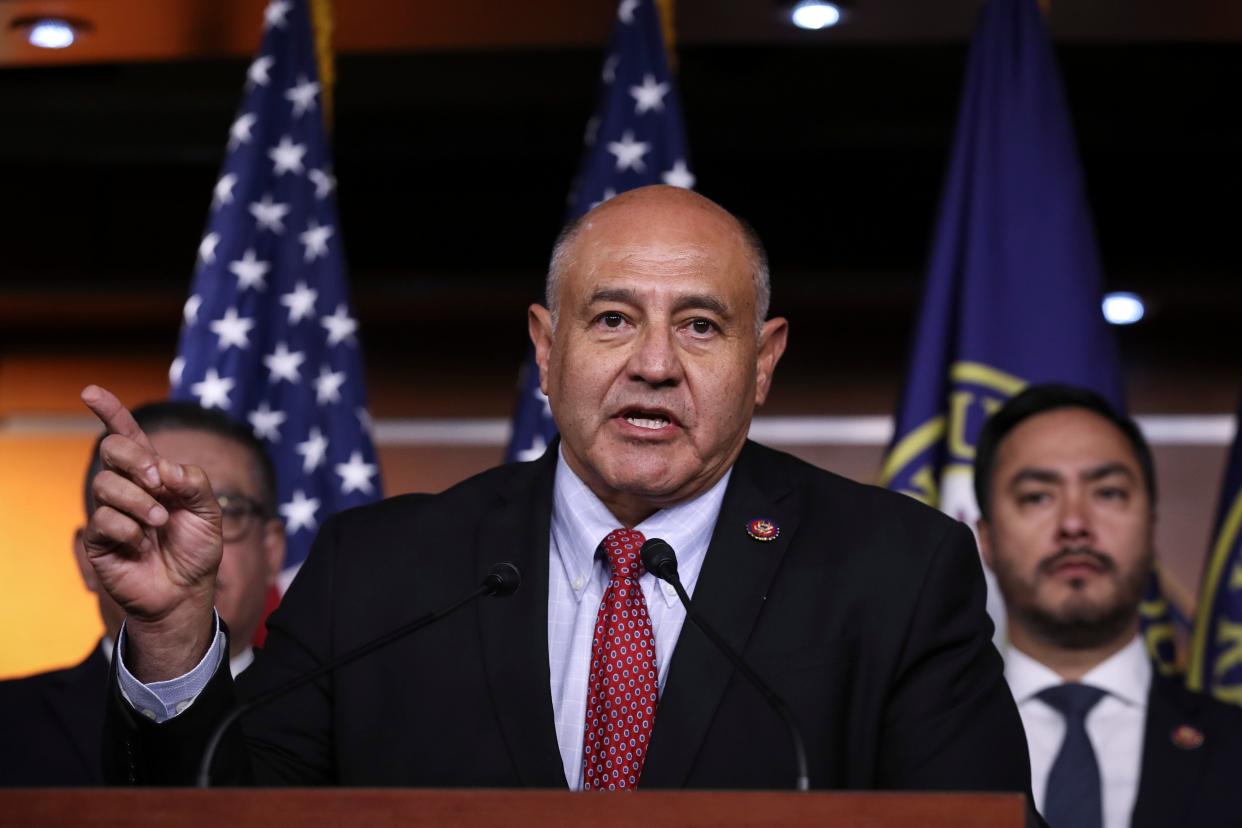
(114, 415)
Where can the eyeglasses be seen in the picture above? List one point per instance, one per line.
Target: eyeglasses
(238, 514)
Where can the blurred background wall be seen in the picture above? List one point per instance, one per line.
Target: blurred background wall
(457, 129)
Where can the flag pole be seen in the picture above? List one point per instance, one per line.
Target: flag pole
(322, 27)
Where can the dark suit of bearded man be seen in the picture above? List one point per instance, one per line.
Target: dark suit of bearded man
(1192, 749)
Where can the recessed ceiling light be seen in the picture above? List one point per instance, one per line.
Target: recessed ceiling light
(1123, 308)
(51, 33)
(815, 14)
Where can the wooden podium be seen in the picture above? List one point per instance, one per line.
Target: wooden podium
(310, 808)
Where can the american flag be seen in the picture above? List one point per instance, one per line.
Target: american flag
(267, 334)
(635, 138)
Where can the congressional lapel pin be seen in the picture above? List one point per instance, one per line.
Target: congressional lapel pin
(763, 529)
(1187, 737)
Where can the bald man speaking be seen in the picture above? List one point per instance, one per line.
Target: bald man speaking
(862, 609)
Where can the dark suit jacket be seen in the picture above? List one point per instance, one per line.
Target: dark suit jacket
(866, 615)
(51, 726)
(1184, 785)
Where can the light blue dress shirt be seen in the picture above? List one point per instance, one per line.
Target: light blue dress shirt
(578, 578)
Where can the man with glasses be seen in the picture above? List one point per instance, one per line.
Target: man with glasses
(53, 721)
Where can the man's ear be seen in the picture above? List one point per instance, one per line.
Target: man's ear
(89, 579)
(772, 340)
(539, 324)
(983, 531)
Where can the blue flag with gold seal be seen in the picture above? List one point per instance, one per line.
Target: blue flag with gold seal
(1013, 287)
(1216, 651)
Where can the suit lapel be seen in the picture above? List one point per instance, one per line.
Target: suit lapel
(514, 630)
(1169, 772)
(730, 592)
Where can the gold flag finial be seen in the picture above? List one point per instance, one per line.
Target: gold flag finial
(666, 11)
(321, 31)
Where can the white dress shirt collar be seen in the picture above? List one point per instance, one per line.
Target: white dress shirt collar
(581, 521)
(1125, 675)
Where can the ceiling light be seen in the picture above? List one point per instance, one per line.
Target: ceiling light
(51, 33)
(1123, 308)
(815, 14)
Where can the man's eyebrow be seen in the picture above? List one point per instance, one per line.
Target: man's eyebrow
(1035, 475)
(624, 295)
(690, 301)
(701, 301)
(1038, 475)
(1108, 470)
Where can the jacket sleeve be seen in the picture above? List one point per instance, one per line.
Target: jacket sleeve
(137, 751)
(950, 722)
(286, 741)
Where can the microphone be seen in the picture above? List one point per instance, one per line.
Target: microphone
(661, 561)
(501, 580)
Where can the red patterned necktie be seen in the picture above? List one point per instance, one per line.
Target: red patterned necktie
(622, 691)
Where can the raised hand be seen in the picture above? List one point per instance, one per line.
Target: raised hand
(154, 539)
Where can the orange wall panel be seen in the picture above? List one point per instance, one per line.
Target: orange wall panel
(47, 617)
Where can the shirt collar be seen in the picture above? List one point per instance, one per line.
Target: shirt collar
(581, 521)
(241, 661)
(1125, 675)
(1026, 676)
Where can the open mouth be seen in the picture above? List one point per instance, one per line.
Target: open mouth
(648, 419)
(646, 422)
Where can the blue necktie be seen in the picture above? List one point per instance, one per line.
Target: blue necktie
(1072, 798)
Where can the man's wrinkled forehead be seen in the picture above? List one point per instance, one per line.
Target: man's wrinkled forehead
(1041, 443)
(683, 277)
